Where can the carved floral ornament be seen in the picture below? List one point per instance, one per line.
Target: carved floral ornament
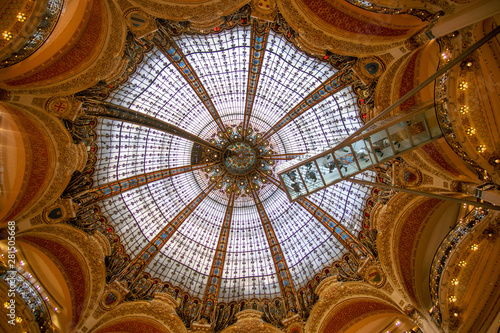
(384, 219)
(250, 321)
(158, 311)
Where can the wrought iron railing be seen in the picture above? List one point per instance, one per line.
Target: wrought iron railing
(30, 295)
(443, 110)
(40, 35)
(447, 247)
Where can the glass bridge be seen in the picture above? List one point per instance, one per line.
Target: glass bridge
(380, 142)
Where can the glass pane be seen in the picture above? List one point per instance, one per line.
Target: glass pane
(430, 117)
(381, 145)
(328, 168)
(417, 129)
(399, 137)
(347, 161)
(311, 177)
(294, 184)
(363, 153)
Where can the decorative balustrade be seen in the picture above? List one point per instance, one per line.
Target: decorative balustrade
(31, 296)
(443, 107)
(422, 14)
(39, 36)
(444, 252)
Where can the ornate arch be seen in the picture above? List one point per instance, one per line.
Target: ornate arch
(89, 55)
(400, 234)
(79, 258)
(159, 314)
(322, 26)
(49, 160)
(338, 297)
(204, 15)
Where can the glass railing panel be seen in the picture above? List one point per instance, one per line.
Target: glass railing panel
(417, 129)
(363, 153)
(381, 145)
(346, 160)
(399, 137)
(399, 134)
(328, 168)
(310, 175)
(294, 184)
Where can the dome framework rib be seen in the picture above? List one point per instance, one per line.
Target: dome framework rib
(172, 51)
(118, 187)
(258, 43)
(215, 278)
(175, 73)
(336, 83)
(282, 271)
(153, 247)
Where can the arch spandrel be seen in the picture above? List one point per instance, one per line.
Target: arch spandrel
(250, 321)
(320, 28)
(156, 314)
(406, 73)
(408, 234)
(50, 159)
(37, 162)
(82, 49)
(201, 13)
(132, 325)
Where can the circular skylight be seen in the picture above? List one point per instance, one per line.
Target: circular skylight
(230, 199)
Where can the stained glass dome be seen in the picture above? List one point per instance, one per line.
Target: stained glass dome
(257, 100)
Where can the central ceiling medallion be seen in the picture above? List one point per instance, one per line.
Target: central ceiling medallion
(239, 158)
(245, 162)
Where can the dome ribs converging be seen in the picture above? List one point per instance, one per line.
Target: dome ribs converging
(334, 84)
(154, 246)
(336, 228)
(260, 34)
(173, 53)
(215, 278)
(282, 271)
(209, 222)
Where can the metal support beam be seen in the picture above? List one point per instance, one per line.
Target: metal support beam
(282, 271)
(260, 33)
(215, 278)
(156, 244)
(111, 111)
(173, 53)
(426, 194)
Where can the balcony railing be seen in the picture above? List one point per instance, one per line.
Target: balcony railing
(443, 253)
